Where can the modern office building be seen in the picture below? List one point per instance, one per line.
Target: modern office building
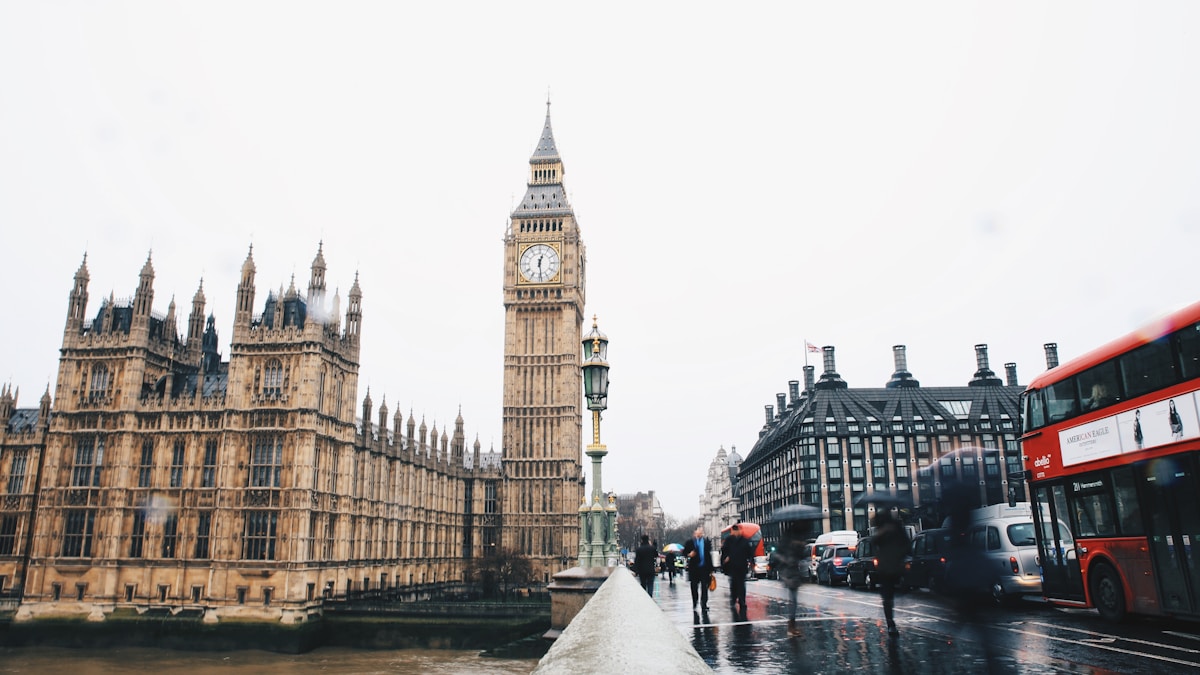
(832, 446)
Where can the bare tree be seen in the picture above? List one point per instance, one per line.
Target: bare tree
(501, 572)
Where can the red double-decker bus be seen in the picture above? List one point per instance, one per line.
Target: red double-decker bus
(1111, 444)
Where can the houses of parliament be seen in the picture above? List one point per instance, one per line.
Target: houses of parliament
(160, 475)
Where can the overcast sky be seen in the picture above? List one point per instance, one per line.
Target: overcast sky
(746, 176)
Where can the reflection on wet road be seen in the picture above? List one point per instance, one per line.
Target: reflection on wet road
(841, 630)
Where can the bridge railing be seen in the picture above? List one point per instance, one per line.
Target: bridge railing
(621, 630)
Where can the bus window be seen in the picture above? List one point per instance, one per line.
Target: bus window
(1148, 368)
(1093, 514)
(1099, 386)
(1061, 400)
(1188, 342)
(1034, 407)
(1128, 514)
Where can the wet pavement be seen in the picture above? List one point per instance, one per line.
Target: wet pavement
(840, 630)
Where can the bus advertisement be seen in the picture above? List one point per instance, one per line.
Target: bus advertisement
(1111, 445)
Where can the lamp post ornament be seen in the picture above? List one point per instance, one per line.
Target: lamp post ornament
(597, 521)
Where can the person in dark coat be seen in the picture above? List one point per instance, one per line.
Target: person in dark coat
(698, 552)
(787, 561)
(891, 546)
(645, 563)
(736, 555)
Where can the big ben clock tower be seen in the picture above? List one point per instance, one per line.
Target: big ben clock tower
(543, 314)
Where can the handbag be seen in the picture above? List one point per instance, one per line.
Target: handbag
(712, 582)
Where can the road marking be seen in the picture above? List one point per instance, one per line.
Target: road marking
(1117, 637)
(1176, 633)
(1096, 645)
(806, 619)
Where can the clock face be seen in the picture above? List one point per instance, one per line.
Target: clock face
(539, 263)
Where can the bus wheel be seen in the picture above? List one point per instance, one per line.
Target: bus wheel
(1107, 594)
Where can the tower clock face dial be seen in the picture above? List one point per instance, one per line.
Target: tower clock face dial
(539, 263)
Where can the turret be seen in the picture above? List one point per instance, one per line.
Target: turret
(383, 421)
(459, 442)
(144, 297)
(316, 285)
(44, 410)
(196, 319)
(77, 304)
(212, 358)
(354, 311)
(7, 404)
(366, 417)
(170, 326)
(245, 292)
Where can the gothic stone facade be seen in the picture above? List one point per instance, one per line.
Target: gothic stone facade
(165, 478)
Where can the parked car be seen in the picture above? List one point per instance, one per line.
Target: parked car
(834, 561)
(824, 541)
(927, 564)
(862, 565)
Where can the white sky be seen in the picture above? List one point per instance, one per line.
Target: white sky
(745, 177)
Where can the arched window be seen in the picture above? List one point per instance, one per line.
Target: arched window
(273, 379)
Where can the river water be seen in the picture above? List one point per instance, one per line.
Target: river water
(121, 661)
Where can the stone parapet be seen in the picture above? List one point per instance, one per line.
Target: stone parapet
(619, 630)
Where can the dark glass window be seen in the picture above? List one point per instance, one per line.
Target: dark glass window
(203, 526)
(1187, 342)
(78, 528)
(138, 536)
(1148, 368)
(1099, 387)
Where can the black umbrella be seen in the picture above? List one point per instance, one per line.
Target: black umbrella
(884, 500)
(794, 512)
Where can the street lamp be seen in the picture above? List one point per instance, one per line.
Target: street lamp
(597, 543)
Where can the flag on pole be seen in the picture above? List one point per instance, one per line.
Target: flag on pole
(811, 347)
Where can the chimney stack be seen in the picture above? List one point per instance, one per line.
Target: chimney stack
(781, 401)
(984, 377)
(830, 379)
(770, 409)
(1051, 354)
(901, 378)
(809, 377)
(1010, 373)
(794, 391)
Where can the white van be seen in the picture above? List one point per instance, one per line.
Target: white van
(834, 538)
(1004, 535)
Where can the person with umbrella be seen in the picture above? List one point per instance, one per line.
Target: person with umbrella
(891, 545)
(788, 559)
(698, 552)
(670, 550)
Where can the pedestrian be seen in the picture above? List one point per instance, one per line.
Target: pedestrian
(735, 563)
(670, 565)
(788, 561)
(699, 567)
(891, 546)
(966, 573)
(645, 563)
